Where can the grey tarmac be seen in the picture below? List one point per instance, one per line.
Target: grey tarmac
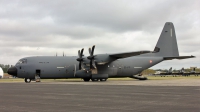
(181, 95)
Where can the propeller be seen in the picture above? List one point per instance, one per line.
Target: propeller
(91, 57)
(80, 59)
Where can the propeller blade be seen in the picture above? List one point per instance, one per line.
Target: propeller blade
(79, 54)
(93, 50)
(82, 66)
(79, 66)
(90, 52)
(82, 52)
(93, 64)
(90, 64)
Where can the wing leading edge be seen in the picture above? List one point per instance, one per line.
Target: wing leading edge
(129, 54)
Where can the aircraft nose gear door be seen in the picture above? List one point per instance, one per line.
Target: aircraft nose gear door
(37, 75)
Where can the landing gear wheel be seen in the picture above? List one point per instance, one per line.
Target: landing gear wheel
(103, 79)
(94, 80)
(86, 79)
(27, 80)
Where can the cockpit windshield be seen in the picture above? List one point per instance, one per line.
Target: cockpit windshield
(22, 61)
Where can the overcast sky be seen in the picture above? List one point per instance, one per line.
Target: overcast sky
(44, 27)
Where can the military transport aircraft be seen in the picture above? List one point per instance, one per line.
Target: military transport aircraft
(168, 72)
(99, 66)
(180, 72)
(183, 73)
(192, 72)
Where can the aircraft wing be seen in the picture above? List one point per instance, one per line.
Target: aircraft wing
(129, 54)
(179, 57)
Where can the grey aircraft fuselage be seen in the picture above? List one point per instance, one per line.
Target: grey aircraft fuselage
(100, 66)
(53, 67)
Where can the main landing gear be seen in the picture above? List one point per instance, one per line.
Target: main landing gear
(27, 80)
(94, 80)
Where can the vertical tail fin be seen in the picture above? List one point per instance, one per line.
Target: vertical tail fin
(167, 44)
(182, 70)
(170, 70)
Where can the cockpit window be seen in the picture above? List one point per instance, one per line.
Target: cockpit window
(22, 61)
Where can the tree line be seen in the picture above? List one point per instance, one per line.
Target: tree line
(5, 67)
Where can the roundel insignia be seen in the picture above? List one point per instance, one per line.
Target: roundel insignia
(150, 61)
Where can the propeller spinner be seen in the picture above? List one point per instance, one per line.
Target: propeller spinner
(91, 57)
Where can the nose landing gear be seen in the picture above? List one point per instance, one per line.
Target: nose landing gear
(37, 76)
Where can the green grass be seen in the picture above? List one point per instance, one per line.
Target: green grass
(172, 78)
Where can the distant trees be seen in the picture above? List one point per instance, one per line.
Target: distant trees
(148, 71)
(5, 67)
(151, 71)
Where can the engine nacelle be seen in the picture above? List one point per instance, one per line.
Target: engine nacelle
(82, 74)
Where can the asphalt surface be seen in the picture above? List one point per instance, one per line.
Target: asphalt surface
(97, 97)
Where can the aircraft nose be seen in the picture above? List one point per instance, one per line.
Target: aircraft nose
(12, 71)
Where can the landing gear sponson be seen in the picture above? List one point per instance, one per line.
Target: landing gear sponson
(94, 80)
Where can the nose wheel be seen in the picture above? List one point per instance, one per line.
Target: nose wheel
(27, 80)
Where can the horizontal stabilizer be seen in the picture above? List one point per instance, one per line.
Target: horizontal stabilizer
(129, 54)
(178, 57)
